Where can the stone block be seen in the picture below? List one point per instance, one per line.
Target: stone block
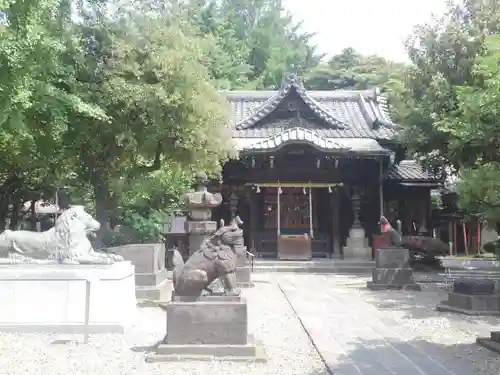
(161, 292)
(151, 279)
(495, 336)
(357, 253)
(393, 276)
(51, 298)
(201, 227)
(474, 287)
(147, 258)
(210, 328)
(213, 322)
(491, 343)
(356, 242)
(244, 276)
(472, 304)
(392, 258)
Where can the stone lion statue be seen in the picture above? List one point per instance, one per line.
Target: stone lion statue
(216, 258)
(394, 235)
(67, 242)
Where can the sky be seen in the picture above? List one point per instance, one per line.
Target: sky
(369, 26)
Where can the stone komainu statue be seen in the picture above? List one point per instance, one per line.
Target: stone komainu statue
(67, 242)
(426, 244)
(394, 235)
(215, 259)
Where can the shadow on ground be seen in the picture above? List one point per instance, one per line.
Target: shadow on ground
(416, 357)
(422, 305)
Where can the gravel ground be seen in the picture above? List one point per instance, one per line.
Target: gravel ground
(271, 320)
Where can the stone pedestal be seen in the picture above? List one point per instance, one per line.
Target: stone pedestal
(52, 298)
(472, 297)
(151, 277)
(492, 343)
(212, 327)
(392, 270)
(357, 246)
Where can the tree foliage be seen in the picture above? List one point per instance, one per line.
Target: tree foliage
(452, 100)
(257, 41)
(443, 53)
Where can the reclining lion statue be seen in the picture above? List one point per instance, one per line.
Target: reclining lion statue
(216, 258)
(67, 242)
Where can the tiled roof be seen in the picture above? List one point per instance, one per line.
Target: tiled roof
(358, 145)
(410, 170)
(296, 134)
(348, 113)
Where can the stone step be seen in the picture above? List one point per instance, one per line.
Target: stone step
(319, 266)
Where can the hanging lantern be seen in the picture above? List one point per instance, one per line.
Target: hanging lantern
(304, 191)
(257, 190)
(336, 163)
(330, 189)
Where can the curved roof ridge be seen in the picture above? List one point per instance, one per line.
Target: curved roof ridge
(290, 81)
(299, 134)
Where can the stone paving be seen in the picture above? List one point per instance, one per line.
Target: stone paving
(359, 332)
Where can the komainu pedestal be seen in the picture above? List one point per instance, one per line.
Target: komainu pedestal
(472, 297)
(211, 327)
(392, 270)
(492, 343)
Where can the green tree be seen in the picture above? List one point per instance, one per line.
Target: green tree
(35, 100)
(146, 72)
(443, 53)
(256, 42)
(474, 133)
(351, 70)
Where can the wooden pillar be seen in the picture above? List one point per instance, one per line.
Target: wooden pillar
(335, 211)
(252, 201)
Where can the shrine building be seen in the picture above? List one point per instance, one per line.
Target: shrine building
(316, 171)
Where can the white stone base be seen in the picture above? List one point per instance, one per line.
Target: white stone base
(52, 298)
(361, 253)
(357, 246)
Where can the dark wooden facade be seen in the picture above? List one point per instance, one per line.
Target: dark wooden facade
(310, 162)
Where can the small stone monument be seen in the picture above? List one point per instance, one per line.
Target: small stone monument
(472, 297)
(151, 277)
(243, 269)
(357, 246)
(492, 343)
(392, 270)
(200, 324)
(199, 205)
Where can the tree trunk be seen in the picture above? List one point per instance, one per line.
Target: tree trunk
(102, 197)
(33, 215)
(14, 217)
(6, 190)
